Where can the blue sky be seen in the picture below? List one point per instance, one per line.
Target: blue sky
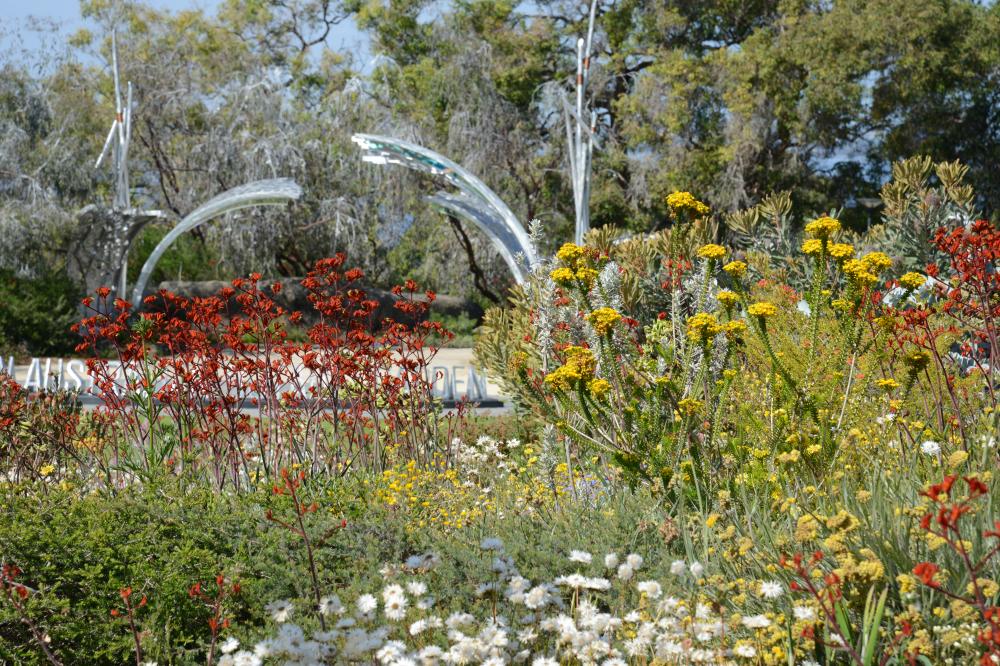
(16, 17)
(67, 12)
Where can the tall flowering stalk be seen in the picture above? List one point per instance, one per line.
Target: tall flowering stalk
(821, 231)
(291, 487)
(214, 598)
(946, 524)
(131, 608)
(37, 430)
(859, 644)
(16, 593)
(950, 319)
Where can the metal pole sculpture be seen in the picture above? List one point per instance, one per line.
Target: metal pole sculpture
(581, 127)
(120, 133)
(117, 144)
(474, 201)
(258, 193)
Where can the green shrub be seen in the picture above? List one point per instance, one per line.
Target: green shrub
(36, 314)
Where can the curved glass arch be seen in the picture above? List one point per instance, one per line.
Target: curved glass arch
(274, 192)
(475, 202)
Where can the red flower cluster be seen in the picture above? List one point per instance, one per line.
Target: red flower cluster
(8, 574)
(958, 327)
(245, 398)
(946, 524)
(301, 508)
(215, 600)
(829, 596)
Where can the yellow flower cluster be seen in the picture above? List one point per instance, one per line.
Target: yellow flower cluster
(762, 310)
(579, 367)
(840, 304)
(90, 442)
(912, 280)
(562, 378)
(734, 330)
(566, 276)
(876, 262)
(727, 298)
(604, 319)
(599, 387)
(887, 385)
(712, 252)
(570, 254)
(702, 327)
(823, 227)
(812, 247)
(576, 269)
(689, 406)
(857, 273)
(563, 276)
(686, 203)
(435, 495)
(736, 269)
(586, 275)
(841, 251)
(789, 456)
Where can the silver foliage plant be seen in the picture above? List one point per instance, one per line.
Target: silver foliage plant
(920, 198)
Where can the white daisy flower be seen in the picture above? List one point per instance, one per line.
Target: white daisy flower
(330, 605)
(416, 588)
(650, 588)
(756, 622)
(395, 607)
(804, 613)
(280, 610)
(771, 589)
(367, 603)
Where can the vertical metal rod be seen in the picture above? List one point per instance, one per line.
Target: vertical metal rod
(570, 150)
(124, 184)
(114, 71)
(580, 142)
(578, 176)
(590, 41)
(586, 175)
(588, 172)
(119, 156)
(123, 276)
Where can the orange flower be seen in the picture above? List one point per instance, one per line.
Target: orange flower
(926, 571)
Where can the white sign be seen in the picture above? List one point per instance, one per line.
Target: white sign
(52, 374)
(449, 383)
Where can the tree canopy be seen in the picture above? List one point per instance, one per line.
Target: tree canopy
(731, 99)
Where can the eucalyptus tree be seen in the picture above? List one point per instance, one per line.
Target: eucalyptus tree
(731, 99)
(241, 96)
